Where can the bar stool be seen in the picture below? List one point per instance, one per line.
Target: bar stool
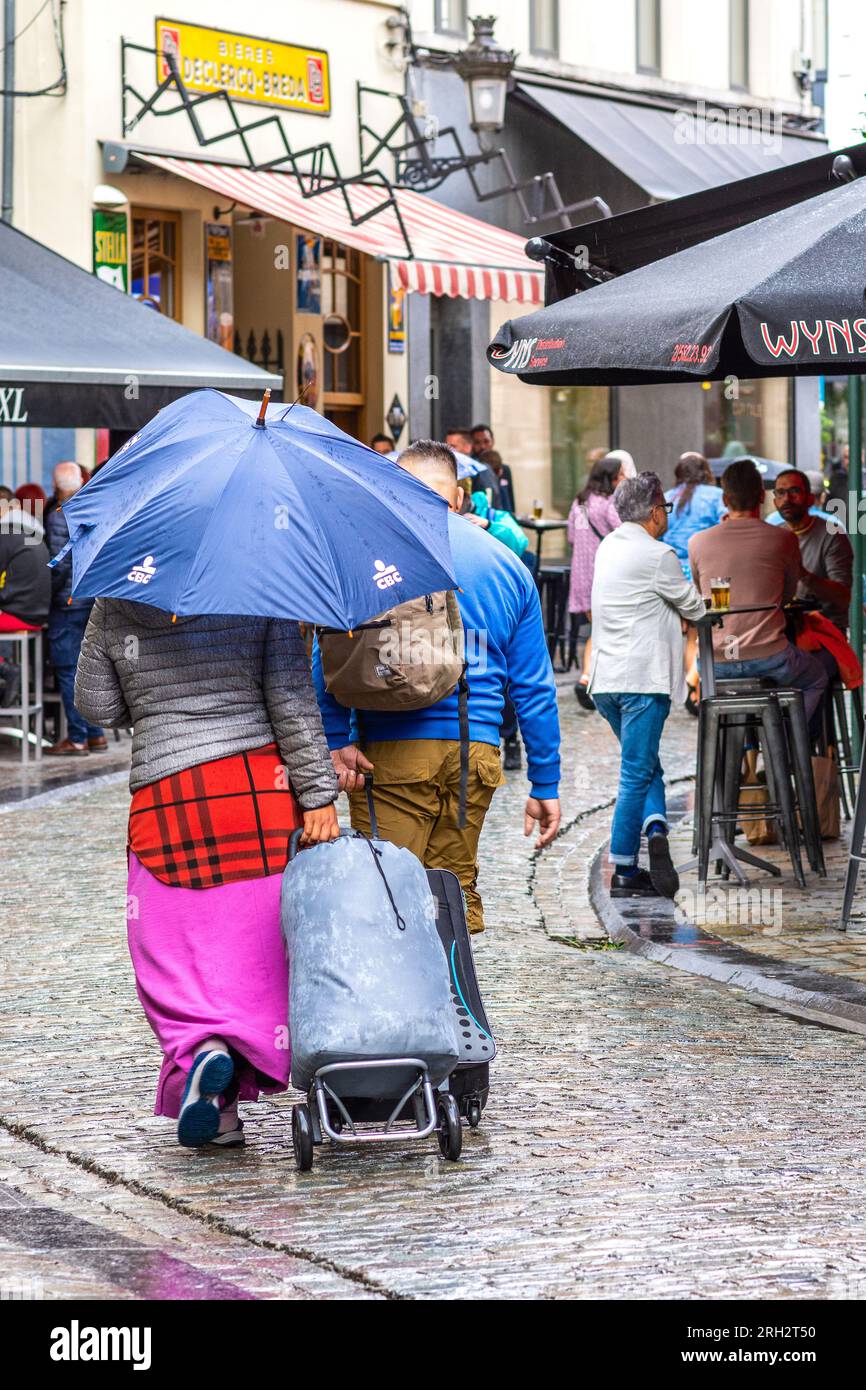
(553, 584)
(837, 735)
(799, 757)
(27, 709)
(717, 812)
(855, 853)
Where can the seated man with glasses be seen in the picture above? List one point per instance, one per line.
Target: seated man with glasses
(825, 550)
(764, 567)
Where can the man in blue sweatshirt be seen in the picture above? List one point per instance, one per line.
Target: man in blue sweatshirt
(416, 756)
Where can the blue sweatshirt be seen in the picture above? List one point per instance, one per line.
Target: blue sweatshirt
(505, 642)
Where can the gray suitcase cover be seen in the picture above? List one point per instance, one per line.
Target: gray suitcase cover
(361, 986)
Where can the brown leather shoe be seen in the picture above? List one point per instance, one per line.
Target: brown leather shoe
(67, 749)
(98, 745)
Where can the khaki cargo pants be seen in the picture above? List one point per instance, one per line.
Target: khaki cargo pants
(416, 792)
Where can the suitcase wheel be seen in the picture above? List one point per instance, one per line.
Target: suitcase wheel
(450, 1129)
(302, 1137)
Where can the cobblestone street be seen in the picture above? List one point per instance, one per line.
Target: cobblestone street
(649, 1134)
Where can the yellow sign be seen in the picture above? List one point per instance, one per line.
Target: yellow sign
(247, 68)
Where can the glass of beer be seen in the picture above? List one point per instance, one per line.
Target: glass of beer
(537, 509)
(720, 590)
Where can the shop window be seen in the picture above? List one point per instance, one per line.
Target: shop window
(747, 417)
(156, 259)
(579, 423)
(450, 17)
(739, 44)
(648, 22)
(342, 325)
(544, 28)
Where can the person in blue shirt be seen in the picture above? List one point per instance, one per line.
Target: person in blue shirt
(415, 756)
(697, 506)
(697, 503)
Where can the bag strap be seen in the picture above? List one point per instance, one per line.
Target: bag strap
(463, 720)
(585, 509)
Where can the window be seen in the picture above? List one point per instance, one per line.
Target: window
(739, 44)
(819, 39)
(342, 336)
(450, 17)
(755, 421)
(579, 424)
(649, 35)
(156, 259)
(544, 28)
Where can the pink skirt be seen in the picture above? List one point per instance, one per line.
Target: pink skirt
(210, 962)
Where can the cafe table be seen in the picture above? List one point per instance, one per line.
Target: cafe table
(541, 525)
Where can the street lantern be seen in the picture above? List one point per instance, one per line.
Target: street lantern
(485, 69)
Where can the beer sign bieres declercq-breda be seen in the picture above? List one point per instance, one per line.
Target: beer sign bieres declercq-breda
(288, 76)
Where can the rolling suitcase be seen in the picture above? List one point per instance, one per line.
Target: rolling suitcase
(469, 1082)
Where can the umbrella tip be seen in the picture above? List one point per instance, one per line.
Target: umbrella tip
(260, 421)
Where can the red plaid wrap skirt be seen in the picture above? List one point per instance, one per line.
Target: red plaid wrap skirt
(216, 823)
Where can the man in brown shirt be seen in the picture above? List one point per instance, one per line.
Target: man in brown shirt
(764, 566)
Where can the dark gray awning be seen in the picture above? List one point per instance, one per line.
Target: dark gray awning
(669, 153)
(77, 352)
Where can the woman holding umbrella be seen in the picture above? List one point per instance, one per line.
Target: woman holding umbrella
(228, 758)
(206, 540)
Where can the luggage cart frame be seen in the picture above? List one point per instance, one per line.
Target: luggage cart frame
(325, 1114)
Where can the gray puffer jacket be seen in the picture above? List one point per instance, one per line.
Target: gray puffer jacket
(203, 688)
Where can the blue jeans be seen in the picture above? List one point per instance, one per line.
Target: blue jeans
(637, 721)
(65, 633)
(792, 667)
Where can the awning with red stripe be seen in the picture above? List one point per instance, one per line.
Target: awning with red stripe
(453, 254)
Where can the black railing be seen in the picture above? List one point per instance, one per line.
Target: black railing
(262, 352)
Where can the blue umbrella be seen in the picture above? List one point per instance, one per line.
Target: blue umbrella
(207, 510)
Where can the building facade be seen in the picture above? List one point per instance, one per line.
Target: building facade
(286, 292)
(630, 102)
(610, 106)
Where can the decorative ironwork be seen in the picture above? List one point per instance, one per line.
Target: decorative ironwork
(417, 163)
(259, 352)
(419, 167)
(315, 168)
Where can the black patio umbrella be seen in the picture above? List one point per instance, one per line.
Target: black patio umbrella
(781, 296)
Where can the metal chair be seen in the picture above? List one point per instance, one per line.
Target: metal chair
(27, 709)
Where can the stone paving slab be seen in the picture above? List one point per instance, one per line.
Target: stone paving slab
(648, 1135)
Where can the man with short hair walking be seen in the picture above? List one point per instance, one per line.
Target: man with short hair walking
(416, 753)
(639, 595)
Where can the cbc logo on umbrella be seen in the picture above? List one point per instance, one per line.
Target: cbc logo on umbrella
(386, 576)
(143, 573)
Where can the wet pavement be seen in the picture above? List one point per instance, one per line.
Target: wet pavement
(21, 782)
(648, 1135)
(781, 942)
